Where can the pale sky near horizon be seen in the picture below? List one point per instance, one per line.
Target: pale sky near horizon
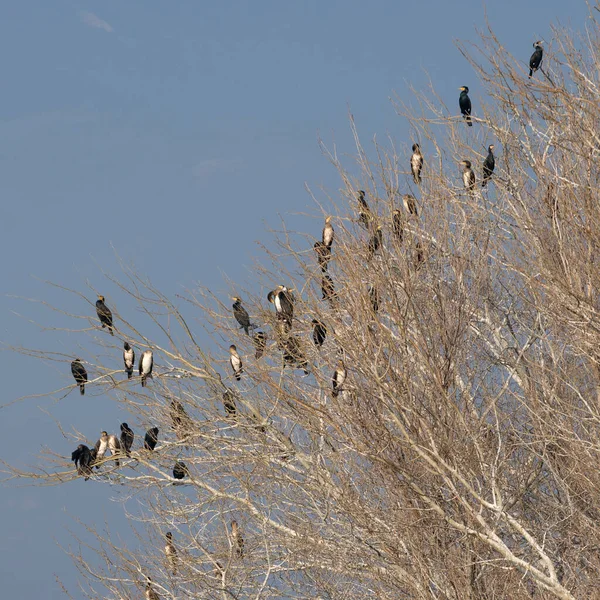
(146, 130)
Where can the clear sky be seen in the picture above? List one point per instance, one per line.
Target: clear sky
(173, 133)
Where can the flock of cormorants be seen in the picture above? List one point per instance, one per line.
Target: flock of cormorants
(283, 300)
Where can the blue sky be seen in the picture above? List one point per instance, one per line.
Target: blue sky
(150, 129)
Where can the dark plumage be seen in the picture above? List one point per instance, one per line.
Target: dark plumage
(80, 374)
(488, 166)
(260, 343)
(375, 242)
(150, 593)
(151, 438)
(416, 163)
(171, 552)
(282, 298)
(323, 255)
(364, 212)
(241, 315)
(420, 255)
(319, 333)
(238, 539)
(146, 366)
(229, 405)
(180, 470)
(468, 176)
(127, 436)
(128, 359)
(398, 225)
(104, 314)
(536, 58)
(83, 458)
(465, 104)
(328, 289)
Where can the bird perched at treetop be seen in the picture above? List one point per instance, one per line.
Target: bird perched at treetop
(465, 104)
(241, 315)
(104, 314)
(80, 374)
(536, 58)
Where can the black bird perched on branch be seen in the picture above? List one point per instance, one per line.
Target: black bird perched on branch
(323, 255)
(416, 163)
(145, 367)
(236, 362)
(374, 298)
(339, 376)
(229, 405)
(151, 439)
(180, 470)
(410, 204)
(468, 175)
(104, 314)
(328, 289)
(150, 593)
(319, 333)
(376, 241)
(128, 359)
(238, 538)
(282, 298)
(364, 212)
(488, 165)
(80, 374)
(260, 343)
(127, 436)
(241, 315)
(465, 104)
(536, 58)
(83, 458)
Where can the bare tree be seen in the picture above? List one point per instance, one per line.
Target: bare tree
(444, 443)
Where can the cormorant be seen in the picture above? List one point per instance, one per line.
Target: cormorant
(104, 314)
(182, 424)
(150, 593)
(374, 298)
(410, 204)
(128, 359)
(536, 58)
(180, 470)
(339, 376)
(171, 553)
(416, 163)
(151, 438)
(323, 255)
(236, 362)
(292, 353)
(127, 436)
(319, 333)
(282, 298)
(364, 212)
(488, 165)
(80, 374)
(241, 315)
(420, 255)
(328, 233)
(229, 405)
(465, 104)
(146, 364)
(376, 241)
(328, 289)
(238, 538)
(468, 175)
(260, 343)
(84, 460)
(108, 442)
(398, 224)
